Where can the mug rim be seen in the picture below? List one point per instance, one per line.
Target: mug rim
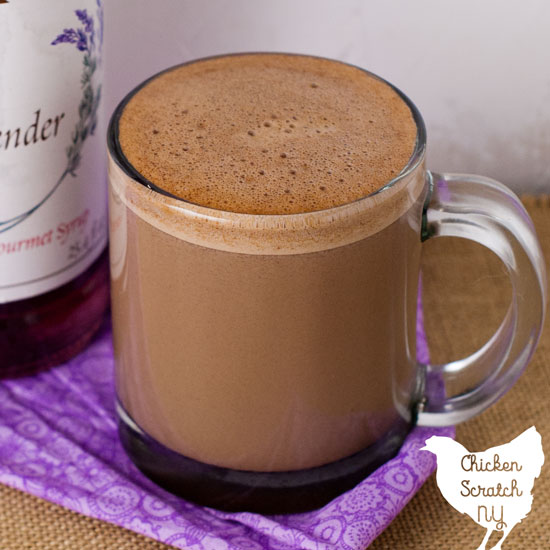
(115, 149)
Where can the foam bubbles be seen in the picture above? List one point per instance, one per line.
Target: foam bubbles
(267, 134)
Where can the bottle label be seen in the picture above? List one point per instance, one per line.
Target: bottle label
(52, 153)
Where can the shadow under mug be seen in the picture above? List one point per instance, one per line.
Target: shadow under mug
(268, 363)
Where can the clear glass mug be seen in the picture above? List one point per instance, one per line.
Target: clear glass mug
(268, 363)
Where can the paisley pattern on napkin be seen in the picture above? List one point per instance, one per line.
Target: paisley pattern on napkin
(58, 441)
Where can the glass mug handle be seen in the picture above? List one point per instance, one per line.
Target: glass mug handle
(485, 211)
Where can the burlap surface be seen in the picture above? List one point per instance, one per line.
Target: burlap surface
(466, 295)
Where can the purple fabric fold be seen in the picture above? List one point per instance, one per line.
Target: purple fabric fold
(58, 441)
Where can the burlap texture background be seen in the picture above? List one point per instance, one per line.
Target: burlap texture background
(466, 295)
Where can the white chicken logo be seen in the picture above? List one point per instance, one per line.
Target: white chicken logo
(492, 487)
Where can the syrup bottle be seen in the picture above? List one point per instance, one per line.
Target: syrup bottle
(53, 228)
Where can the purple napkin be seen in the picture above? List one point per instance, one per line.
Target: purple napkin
(58, 441)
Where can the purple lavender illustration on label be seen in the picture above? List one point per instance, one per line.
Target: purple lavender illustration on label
(88, 39)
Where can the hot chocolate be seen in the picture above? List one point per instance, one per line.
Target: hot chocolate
(264, 290)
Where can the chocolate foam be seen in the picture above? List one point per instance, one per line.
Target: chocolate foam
(264, 234)
(249, 222)
(267, 133)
